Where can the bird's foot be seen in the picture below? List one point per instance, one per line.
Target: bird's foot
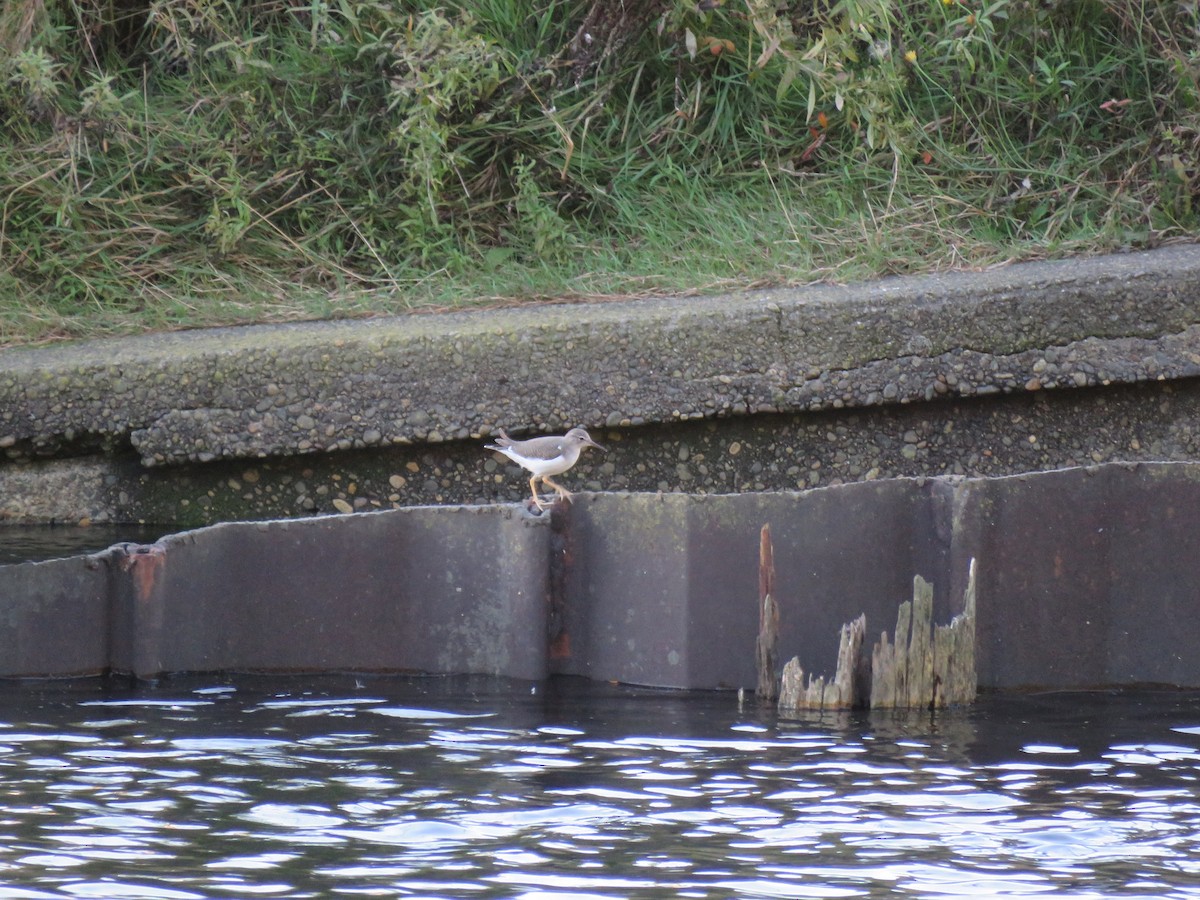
(541, 506)
(561, 493)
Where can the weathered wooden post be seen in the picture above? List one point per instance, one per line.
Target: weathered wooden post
(902, 670)
(922, 666)
(925, 665)
(837, 693)
(955, 679)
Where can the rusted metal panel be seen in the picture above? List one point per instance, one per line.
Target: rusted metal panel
(1153, 576)
(54, 618)
(626, 590)
(1043, 605)
(665, 588)
(1087, 577)
(425, 590)
(1084, 578)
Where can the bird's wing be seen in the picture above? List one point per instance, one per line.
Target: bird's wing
(539, 448)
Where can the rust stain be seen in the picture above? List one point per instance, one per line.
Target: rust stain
(766, 563)
(145, 562)
(562, 561)
(560, 646)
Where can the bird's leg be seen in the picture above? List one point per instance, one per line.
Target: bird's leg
(558, 488)
(533, 487)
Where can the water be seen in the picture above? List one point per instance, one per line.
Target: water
(464, 788)
(34, 543)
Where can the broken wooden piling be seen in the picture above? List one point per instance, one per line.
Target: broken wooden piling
(922, 665)
(839, 692)
(902, 669)
(955, 679)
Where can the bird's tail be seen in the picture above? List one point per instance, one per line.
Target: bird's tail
(501, 442)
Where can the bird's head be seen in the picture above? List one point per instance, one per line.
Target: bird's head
(580, 436)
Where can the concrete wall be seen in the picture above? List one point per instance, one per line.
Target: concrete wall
(1024, 368)
(308, 388)
(1086, 577)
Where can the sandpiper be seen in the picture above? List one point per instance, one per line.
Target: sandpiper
(545, 456)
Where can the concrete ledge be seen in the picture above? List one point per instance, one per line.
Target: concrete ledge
(300, 389)
(1086, 578)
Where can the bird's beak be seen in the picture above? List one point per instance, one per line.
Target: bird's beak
(597, 446)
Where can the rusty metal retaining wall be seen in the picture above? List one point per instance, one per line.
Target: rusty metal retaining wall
(1087, 577)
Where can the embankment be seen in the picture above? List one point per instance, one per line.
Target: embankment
(1043, 419)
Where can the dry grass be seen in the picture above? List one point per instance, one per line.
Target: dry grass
(182, 165)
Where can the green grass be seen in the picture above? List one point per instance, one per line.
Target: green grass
(179, 164)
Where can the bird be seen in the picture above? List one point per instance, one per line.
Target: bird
(545, 456)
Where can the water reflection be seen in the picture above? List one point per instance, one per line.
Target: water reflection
(390, 787)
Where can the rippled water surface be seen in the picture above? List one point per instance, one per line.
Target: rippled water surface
(461, 788)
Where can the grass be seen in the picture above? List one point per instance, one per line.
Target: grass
(184, 164)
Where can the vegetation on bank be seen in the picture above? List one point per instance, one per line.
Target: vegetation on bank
(173, 163)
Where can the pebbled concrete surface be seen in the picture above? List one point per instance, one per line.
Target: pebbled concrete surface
(1023, 368)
